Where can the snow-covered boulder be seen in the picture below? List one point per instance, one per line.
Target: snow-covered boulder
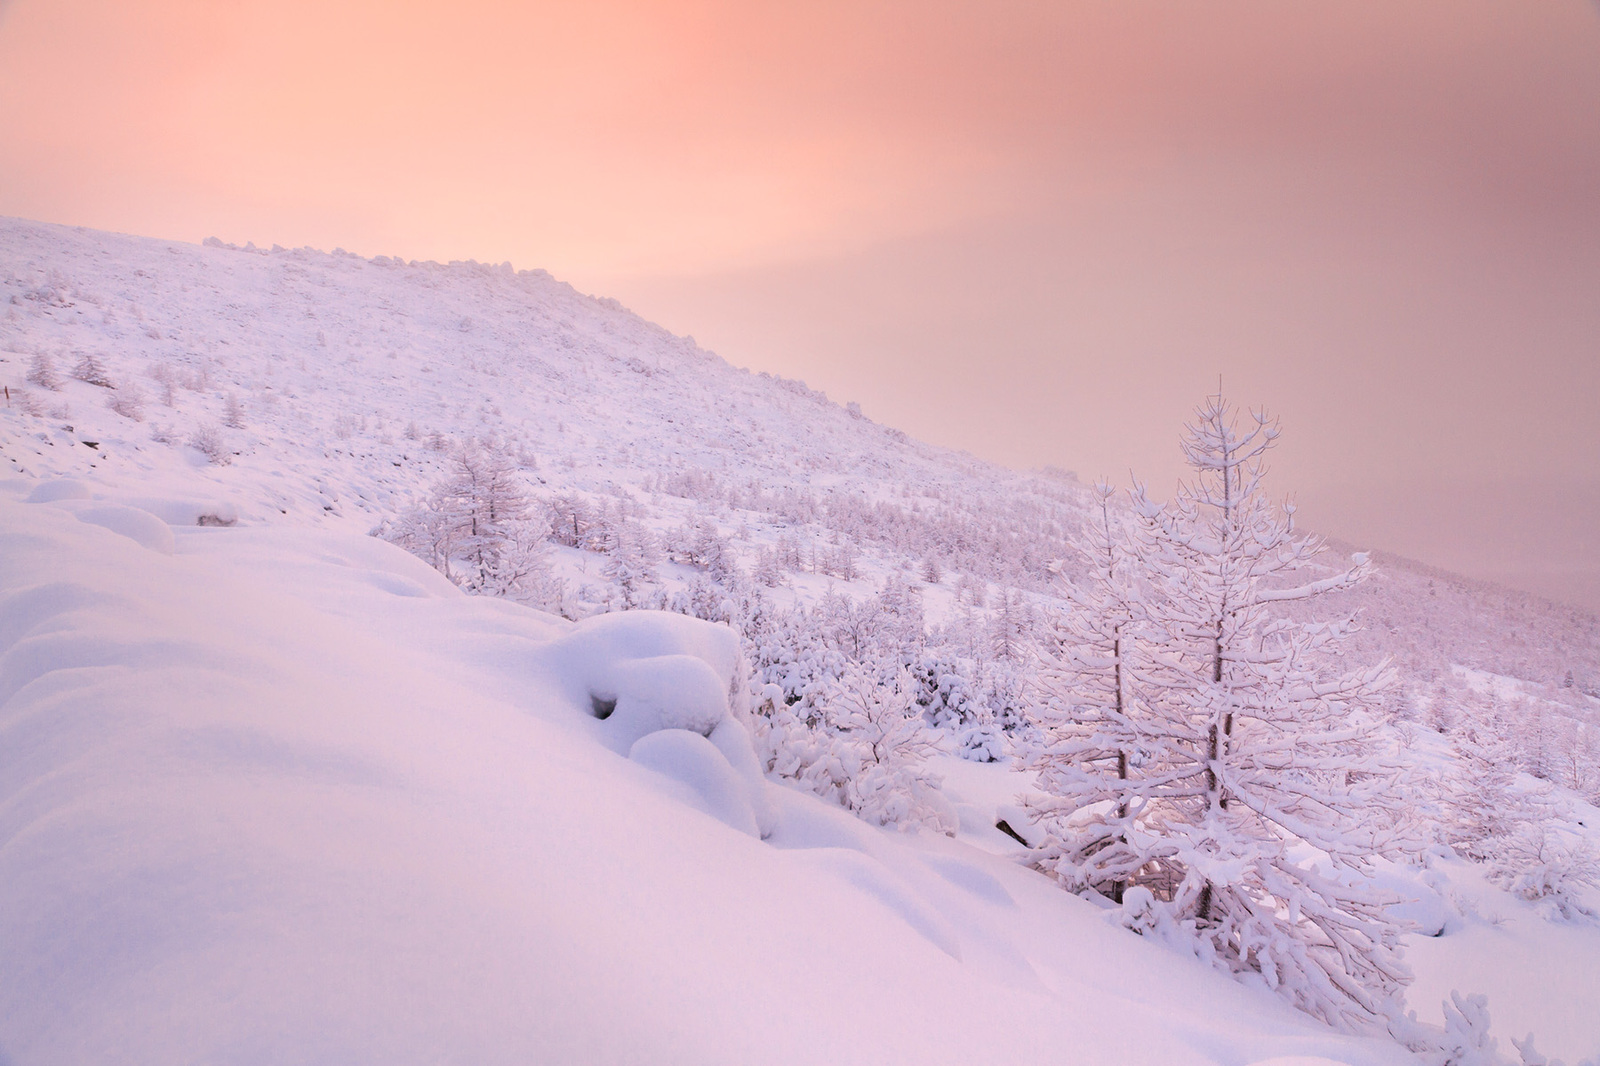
(669, 691)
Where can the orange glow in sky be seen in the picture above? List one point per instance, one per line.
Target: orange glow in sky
(1035, 230)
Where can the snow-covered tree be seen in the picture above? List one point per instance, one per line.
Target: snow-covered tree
(1094, 738)
(901, 628)
(42, 372)
(972, 589)
(92, 371)
(882, 748)
(768, 570)
(1009, 627)
(1256, 791)
(1487, 808)
(571, 519)
(1512, 831)
(233, 413)
(631, 561)
(476, 528)
(483, 503)
(701, 544)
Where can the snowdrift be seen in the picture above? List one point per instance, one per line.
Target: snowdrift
(275, 795)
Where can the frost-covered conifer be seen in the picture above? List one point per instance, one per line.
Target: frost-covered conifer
(475, 529)
(630, 562)
(1487, 808)
(1094, 742)
(1244, 741)
(571, 519)
(42, 372)
(92, 371)
(768, 571)
(1009, 627)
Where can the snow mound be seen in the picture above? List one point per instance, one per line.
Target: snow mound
(139, 526)
(644, 671)
(60, 488)
(694, 761)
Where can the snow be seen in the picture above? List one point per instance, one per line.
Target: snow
(1494, 943)
(238, 826)
(713, 784)
(643, 671)
(272, 789)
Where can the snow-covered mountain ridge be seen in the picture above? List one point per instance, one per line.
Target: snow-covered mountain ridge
(298, 395)
(342, 349)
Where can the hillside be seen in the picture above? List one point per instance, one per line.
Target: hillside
(360, 724)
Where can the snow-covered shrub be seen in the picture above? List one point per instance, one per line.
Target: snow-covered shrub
(27, 402)
(54, 290)
(207, 439)
(1509, 830)
(233, 414)
(708, 600)
(167, 378)
(945, 692)
(981, 741)
(788, 651)
(1465, 1040)
(1536, 865)
(129, 403)
(42, 372)
(866, 752)
(91, 371)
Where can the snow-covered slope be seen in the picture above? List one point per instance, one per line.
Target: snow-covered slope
(272, 789)
(345, 367)
(284, 794)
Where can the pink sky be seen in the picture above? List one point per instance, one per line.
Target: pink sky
(1038, 231)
